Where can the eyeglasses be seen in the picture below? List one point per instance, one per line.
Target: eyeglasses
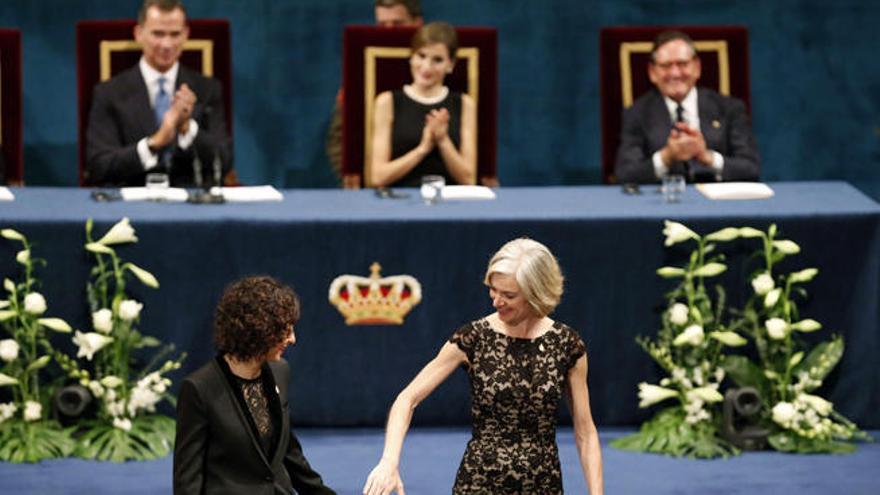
(681, 64)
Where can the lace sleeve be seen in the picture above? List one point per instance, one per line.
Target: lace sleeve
(575, 348)
(466, 340)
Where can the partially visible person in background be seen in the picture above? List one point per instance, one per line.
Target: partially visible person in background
(389, 13)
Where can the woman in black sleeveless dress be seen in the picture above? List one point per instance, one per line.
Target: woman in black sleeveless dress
(520, 364)
(424, 128)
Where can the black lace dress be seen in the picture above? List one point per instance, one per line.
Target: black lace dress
(516, 387)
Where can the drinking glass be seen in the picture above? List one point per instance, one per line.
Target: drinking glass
(672, 187)
(432, 188)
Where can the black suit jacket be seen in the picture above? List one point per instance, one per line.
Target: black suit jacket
(216, 451)
(121, 116)
(723, 122)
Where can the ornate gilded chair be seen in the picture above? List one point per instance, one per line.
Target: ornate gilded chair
(624, 53)
(11, 140)
(377, 59)
(104, 48)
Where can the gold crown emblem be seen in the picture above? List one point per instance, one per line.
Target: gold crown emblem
(375, 300)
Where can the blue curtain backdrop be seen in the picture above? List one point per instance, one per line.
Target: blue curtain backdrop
(815, 82)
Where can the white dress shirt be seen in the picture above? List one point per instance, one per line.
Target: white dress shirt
(691, 117)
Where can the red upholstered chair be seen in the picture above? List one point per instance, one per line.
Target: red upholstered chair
(377, 59)
(624, 53)
(10, 105)
(104, 48)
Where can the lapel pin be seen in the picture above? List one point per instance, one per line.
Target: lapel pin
(716, 124)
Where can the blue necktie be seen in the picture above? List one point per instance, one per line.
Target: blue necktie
(163, 102)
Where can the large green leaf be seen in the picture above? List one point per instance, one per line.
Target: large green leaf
(822, 359)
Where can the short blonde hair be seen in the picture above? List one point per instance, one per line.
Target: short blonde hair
(535, 269)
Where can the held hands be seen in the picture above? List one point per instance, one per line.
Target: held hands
(384, 479)
(176, 119)
(686, 143)
(438, 121)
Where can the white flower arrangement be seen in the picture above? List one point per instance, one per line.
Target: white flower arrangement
(27, 434)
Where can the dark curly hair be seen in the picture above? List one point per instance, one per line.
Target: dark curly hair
(254, 315)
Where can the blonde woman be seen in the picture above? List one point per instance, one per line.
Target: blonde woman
(520, 363)
(424, 128)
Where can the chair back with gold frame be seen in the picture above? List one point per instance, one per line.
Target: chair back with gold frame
(105, 48)
(624, 53)
(376, 59)
(11, 138)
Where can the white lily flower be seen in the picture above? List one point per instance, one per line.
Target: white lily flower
(9, 285)
(56, 324)
(96, 388)
(710, 270)
(4, 303)
(731, 339)
(749, 232)
(23, 256)
(783, 413)
(33, 411)
(692, 335)
(787, 247)
(102, 320)
(817, 403)
(9, 350)
(144, 276)
(724, 235)
(772, 297)
(676, 232)
(707, 394)
(111, 381)
(7, 410)
(678, 314)
(90, 343)
(123, 424)
(806, 326)
(6, 380)
(652, 394)
(6, 314)
(12, 235)
(804, 275)
(763, 284)
(94, 247)
(670, 272)
(35, 303)
(777, 328)
(121, 233)
(129, 309)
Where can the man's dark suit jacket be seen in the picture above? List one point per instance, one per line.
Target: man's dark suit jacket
(216, 451)
(723, 122)
(121, 115)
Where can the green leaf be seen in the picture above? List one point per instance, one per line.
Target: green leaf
(746, 373)
(822, 359)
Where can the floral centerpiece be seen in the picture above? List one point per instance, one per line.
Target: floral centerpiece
(787, 371)
(127, 425)
(690, 348)
(26, 432)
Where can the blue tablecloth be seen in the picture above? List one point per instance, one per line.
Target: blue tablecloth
(609, 245)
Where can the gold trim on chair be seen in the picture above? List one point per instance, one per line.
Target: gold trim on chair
(371, 54)
(107, 47)
(627, 49)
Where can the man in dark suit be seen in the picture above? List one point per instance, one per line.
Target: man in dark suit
(157, 116)
(680, 129)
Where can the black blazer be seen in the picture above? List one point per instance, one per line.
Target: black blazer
(723, 122)
(121, 116)
(216, 451)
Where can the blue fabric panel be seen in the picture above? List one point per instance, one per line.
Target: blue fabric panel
(608, 244)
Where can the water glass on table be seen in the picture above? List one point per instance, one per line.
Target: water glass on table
(157, 183)
(672, 188)
(432, 188)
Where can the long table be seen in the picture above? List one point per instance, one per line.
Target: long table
(609, 245)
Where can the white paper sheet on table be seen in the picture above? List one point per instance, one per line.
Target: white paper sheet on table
(170, 194)
(735, 190)
(251, 194)
(467, 192)
(6, 194)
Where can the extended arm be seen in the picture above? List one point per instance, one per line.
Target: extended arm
(385, 477)
(586, 436)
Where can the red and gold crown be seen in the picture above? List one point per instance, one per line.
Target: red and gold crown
(375, 300)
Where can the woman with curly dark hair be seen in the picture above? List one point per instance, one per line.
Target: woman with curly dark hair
(233, 425)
